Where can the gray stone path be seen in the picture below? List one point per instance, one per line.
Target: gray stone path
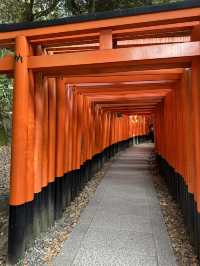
(123, 224)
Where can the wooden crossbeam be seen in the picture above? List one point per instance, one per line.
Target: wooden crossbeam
(124, 87)
(122, 78)
(170, 54)
(129, 109)
(112, 60)
(131, 73)
(6, 64)
(124, 102)
(175, 29)
(107, 41)
(128, 93)
(127, 96)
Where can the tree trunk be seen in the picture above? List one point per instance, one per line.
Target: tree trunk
(28, 15)
(92, 6)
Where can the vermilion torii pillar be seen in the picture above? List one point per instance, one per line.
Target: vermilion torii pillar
(195, 91)
(21, 188)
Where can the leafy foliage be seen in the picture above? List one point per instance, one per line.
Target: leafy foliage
(30, 10)
(12, 11)
(78, 7)
(6, 87)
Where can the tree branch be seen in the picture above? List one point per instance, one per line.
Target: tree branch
(47, 11)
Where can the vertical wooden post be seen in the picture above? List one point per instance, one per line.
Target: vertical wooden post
(189, 152)
(39, 116)
(19, 182)
(30, 157)
(75, 142)
(51, 146)
(79, 129)
(60, 142)
(75, 113)
(67, 146)
(44, 172)
(45, 135)
(38, 148)
(106, 40)
(196, 132)
(70, 126)
(67, 120)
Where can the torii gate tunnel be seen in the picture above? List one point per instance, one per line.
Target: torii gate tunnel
(87, 87)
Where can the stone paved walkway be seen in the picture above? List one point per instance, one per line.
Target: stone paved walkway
(123, 224)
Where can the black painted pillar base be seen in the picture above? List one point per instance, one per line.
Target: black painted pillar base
(179, 191)
(16, 237)
(58, 199)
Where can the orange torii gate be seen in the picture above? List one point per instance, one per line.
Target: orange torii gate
(87, 87)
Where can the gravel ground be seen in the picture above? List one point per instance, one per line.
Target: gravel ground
(174, 221)
(4, 188)
(49, 244)
(4, 169)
